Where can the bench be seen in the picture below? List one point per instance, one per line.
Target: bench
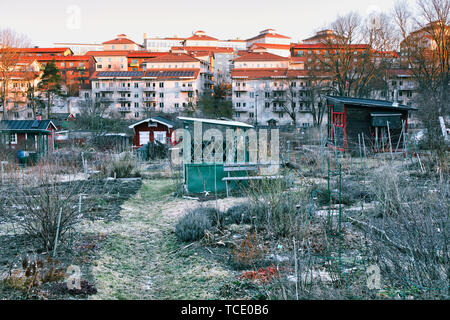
(236, 167)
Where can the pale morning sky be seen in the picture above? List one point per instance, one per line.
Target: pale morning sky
(89, 21)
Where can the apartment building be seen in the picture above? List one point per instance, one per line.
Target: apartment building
(264, 88)
(79, 49)
(111, 60)
(170, 83)
(75, 71)
(269, 36)
(26, 75)
(37, 52)
(162, 44)
(121, 42)
(136, 59)
(200, 39)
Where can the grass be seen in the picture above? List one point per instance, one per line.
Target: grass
(142, 258)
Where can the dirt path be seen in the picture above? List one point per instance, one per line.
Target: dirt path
(142, 259)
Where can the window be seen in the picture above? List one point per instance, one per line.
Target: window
(238, 94)
(267, 105)
(252, 94)
(136, 85)
(161, 105)
(161, 84)
(161, 95)
(136, 104)
(136, 114)
(13, 138)
(251, 115)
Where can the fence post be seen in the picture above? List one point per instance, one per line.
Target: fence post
(57, 232)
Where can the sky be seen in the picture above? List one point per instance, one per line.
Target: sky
(45, 22)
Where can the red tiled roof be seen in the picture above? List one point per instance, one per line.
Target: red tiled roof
(201, 37)
(260, 56)
(254, 74)
(272, 46)
(40, 50)
(174, 57)
(59, 58)
(258, 73)
(120, 41)
(145, 54)
(327, 46)
(202, 48)
(269, 35)
(23, 75)
(400, 72)
(107, 53)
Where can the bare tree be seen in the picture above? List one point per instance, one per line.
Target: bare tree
(9, 59)
(358, 55)
(425, 52)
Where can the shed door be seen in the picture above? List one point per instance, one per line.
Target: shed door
(144, 137)
(338, 130)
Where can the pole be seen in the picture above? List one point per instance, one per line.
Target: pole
(390, 143)
(57, 232)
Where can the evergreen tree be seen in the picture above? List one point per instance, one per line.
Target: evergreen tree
(50, 85)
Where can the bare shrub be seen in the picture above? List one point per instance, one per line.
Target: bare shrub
(40, 200)
(122, 166)
(410, 233)
(193, 225)
(274, 209)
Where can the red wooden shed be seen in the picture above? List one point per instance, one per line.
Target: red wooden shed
(151, 129)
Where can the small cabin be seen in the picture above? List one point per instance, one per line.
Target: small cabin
(36, 136)
(151, 129)
(378, 124)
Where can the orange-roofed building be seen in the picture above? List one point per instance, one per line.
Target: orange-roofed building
(269, 36)
(121, 42)
(136, 59)
(27, 74)
(111, 60)
(44, 52)
(260, 58)
(201, 39)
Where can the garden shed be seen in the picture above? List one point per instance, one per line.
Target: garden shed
(34, 136)
(378, 124)
(151, 129)
(206, 168)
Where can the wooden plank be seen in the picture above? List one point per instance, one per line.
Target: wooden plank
(251, 178)
(240, 169)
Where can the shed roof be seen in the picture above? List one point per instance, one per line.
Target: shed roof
(26, 125)
(217, 122)
(372, 103)
(168, 123)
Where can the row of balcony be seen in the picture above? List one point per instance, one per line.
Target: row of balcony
(146, 89)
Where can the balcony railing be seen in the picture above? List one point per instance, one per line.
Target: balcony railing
(125, 109)
(123, 99)
(123, 89)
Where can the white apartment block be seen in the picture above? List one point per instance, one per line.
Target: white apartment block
(264, 88)
(162, 44)
(171, 83)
